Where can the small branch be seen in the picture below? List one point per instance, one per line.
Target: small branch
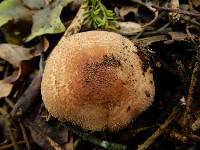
(196, 125)
(8, 126)
(8, 146)
(77, 23)
(179, 11)
(28, 97)
(28, 146)
(188, 20)
(194, 80)
(87, 137)
(40, 136)
(189, 101)
(160, 130)
(184, 138)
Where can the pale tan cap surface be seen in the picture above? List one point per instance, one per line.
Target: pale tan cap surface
(95, 80)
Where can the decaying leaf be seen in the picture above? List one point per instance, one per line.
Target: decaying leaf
(14, 54)
(45, 15)
(178, 36)
(69, 145)
(41, 138)
(125, 10)
(47, 21)
(21, 60)
(36, 4)
(196, 3)
(12, 10)
(47, 136)
(5, 88)
(128, 28)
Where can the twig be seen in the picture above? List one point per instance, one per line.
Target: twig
(87, 137)
(28, 97)
(160, 130)
(41, 63)
(188, 19)
(156, 15)
(77, 23)
(8, 125)
(193, 83)
(28, 146)
(40, 137)
(191, 91)
(148, 40)
(189, 13)
(143, 4)
(161, 30)
(138, 130)
(8, 146)
(196, 125)
(184, 138)
(9, 102)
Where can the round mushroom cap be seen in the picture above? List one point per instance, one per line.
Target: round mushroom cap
(96, 80)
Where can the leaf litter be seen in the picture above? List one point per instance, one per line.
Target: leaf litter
(165, 32)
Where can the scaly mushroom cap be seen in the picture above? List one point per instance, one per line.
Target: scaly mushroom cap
(95, 80)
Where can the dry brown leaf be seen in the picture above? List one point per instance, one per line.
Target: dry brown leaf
(125, 10)
(177, 36)
(14, 54)
(196, 3)
(132, 28)
(128, 28)
(42, 46)
(40, 137)
(5, 88)
(22, 60)
(1, 68)
(69, 145)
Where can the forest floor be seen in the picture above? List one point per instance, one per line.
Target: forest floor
(166, 32)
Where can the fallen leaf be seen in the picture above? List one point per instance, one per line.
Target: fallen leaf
(69, 145)
(36, 4)
(14, 54)
(128, 28)
(125, 10)
(23, 61)
(196, 3)
(12, 10)
(1, 68)
(5, 88)
(178, 36)
(46, 135)
(40, 137)
(47, 21)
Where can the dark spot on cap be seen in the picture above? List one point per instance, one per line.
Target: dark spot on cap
(147, 93)
(110, 61)
(129, 108)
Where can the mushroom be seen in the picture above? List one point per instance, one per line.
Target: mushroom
(96, 80)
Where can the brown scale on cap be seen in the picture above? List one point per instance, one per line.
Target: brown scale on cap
(95, 80)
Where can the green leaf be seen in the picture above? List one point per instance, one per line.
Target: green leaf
(47, 21)
(35, 4)
(12, 10)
